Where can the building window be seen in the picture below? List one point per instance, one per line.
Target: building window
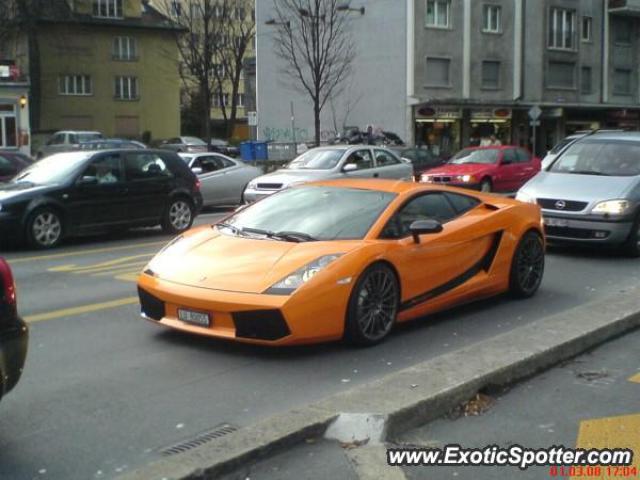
(561, 75)
(107, 8)
(124, 48)
(75, 85)
(176, 8)
(240, 100)
(492, 19)
(587, 29)
(562, 28)
(439, 13)
(623, 32)
(622, 81)
(8, 126)
(438, 72)
(126, 88)
(221, 100)
(491, 74)
(585, 81)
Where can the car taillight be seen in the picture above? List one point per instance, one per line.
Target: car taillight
(7, 284)
(197, 185)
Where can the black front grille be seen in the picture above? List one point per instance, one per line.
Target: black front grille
(261, 324)
(151, 306)
(269, 186)
(562, 205)
(578, 233)
(441, 179)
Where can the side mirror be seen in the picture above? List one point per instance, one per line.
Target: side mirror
(350, 167)
(87, 180)
(422, 227)
(197, 170)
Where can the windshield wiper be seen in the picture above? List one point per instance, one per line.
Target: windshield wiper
(589, 172)
(287, 236)
(234, 229)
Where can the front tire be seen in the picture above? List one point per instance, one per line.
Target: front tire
(527, 266)
(44, 228)
(178, 216)
(373, 306)
(631, 247)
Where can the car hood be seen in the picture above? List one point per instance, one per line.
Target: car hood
(208, 259)
(462, 169)
(585, 188)
(289, 177)
(14, 191)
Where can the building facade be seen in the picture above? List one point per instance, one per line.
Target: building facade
(111, 66)
(466, 69)
(15, 130)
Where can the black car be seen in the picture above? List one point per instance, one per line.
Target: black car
(11, 163)
(13, 333)
(421, 158)
(82, 192)
(222, 146)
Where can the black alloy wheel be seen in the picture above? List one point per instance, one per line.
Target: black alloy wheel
(373, 306)
(527, 267)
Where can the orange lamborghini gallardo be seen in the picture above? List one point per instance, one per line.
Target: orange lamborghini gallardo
(342, 259)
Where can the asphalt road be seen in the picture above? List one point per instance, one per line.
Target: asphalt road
(105, 391)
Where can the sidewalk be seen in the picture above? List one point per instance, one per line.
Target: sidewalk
(591, 401)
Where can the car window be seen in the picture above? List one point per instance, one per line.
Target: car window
(174, 141)
(57, 139)
(105, 169)
(600, 157)
(225, 162)
(7, 167)
(86, 137)
(207, 163)
(384, 159)
(473, 155)
(431, 206)
(143, 166)
(73, 139)
(317, 159)
(522, 156)
(361, 158)
(462, 203)
(509, 156)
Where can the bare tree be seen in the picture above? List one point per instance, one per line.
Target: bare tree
(314, 41)
(218, 34)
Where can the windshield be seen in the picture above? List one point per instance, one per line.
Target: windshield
(607, 158)
(53, 169)
(560, 146)
(470, 155)
(317, 212)
(193, 141)
(318, 159)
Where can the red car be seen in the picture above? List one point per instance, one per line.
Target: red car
(488, 169)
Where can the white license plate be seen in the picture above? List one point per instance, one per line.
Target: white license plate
(556, 222)
(196, 318)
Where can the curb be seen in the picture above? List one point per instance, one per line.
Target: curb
(418, 394)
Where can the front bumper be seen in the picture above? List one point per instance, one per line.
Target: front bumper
(315, 315)
(587, 231)
(13, 353)
(469, 186)
(251, 195)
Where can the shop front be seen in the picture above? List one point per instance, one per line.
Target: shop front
(14, 110)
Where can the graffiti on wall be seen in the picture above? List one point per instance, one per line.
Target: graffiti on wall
(276, 134)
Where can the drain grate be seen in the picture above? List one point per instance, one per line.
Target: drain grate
(199, 440)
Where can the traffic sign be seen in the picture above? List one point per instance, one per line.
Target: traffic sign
(252, 119)
(534, 123)
(535, 112)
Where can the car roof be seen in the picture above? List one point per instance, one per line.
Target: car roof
(78, 131)
(629, 136)
(493, 147)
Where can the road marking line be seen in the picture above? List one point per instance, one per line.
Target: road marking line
(119, 271)
(635, 378)
(69, 312)
(118, 263)
(84, 252)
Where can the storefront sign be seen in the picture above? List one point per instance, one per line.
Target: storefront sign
(441, 113)
(490, 114)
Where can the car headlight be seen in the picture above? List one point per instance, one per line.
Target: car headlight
(252, 185)
(465, 178)
(611, 207)
(292, 282)
(525, 197)
(425, 178)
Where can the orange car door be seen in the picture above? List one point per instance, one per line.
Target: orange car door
(443, 261)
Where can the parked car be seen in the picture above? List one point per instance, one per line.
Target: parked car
(185, 144)
(14, 334)
(343, 258)
(12, 163)
(222, 146)
(488, 169)
(421, 158)
(66, 141)
(85, 192)
(222, 179)
(591, 193)
(112, 143)
(337, 161)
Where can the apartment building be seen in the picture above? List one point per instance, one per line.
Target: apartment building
(465, 69)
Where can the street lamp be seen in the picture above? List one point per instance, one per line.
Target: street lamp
(346, 8)
(306, 13)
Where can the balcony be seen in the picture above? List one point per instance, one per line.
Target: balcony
(625, 7)
(10, 73)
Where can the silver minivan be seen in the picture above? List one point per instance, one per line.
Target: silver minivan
(323, 163)
(590, 193)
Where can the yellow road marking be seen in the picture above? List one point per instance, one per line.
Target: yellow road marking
(119, 271)
(96, 267)
(128, 277)
(69, 312)
(635, 378)
(84, 252)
